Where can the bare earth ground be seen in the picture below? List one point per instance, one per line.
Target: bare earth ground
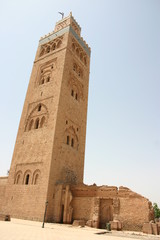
(29, 230)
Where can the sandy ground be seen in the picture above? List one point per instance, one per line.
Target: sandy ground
(29, 230)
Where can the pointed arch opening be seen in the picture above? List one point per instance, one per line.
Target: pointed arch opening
(31, 125)
(42, 81)
(68, 140)
(36, 177)
(77, 52)
(72, 142)
(48, 79)
(18, 178)
(71, 138)
(42, 122)
(59, 43)
(74, 67)
(48, 49)
(42, 52)
(27, 179)
(81, 56)
(37, 123)
(39, 107)
(37, 118)
(73, 47)
(53, 46)
(85, 61)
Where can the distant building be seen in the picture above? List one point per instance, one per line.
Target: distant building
(48, 159)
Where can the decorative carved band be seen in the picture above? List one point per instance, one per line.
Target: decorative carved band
(79, 52)
(51, 46)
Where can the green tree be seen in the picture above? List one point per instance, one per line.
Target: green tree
(156, 210)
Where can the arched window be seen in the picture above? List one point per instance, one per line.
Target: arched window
(27, 179)
(42, 52)
(38, 117)
(71, 137)
(37, 123)
(74, 67)
(72, 93)
(77, 52)
(30, 125)
(48, 49)
(36, 179)
(42, 122)
(48, 79)
(53, 46)
(42, 81)
(76, 96)
(72, 142)
(18, 178)
(39, 108)
(67, 140)
(59, 44)
(85, 61)
(81, 56)
(73, 47)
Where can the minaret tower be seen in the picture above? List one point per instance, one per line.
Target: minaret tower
(50, 144)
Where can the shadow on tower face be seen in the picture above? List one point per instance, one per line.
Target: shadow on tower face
(67, 176)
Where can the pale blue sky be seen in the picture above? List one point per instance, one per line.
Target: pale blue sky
(123, 130)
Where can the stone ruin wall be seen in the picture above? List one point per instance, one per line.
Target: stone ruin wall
(82, 208)
(128, 207)
(3, 183)
(134, 210)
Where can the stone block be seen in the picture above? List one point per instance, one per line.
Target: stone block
(95, 224)
(116, 225)
(158, 224)
(89, 223)
(147, 228)
(119, 226)
(154, 228)
(78, 223)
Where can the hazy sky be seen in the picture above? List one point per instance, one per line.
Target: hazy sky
(123, 130)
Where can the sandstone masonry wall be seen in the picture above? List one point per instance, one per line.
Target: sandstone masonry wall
(3, 183)
(133, 213)
(82, 208)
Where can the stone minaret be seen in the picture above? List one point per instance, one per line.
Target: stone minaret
(50, 144)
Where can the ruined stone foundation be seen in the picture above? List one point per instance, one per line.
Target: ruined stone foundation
(96, 206)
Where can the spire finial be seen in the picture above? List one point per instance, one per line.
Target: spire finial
(62, 14)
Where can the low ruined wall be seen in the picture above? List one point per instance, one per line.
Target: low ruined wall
(134, 209)
(3, 183)
(124, 205)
